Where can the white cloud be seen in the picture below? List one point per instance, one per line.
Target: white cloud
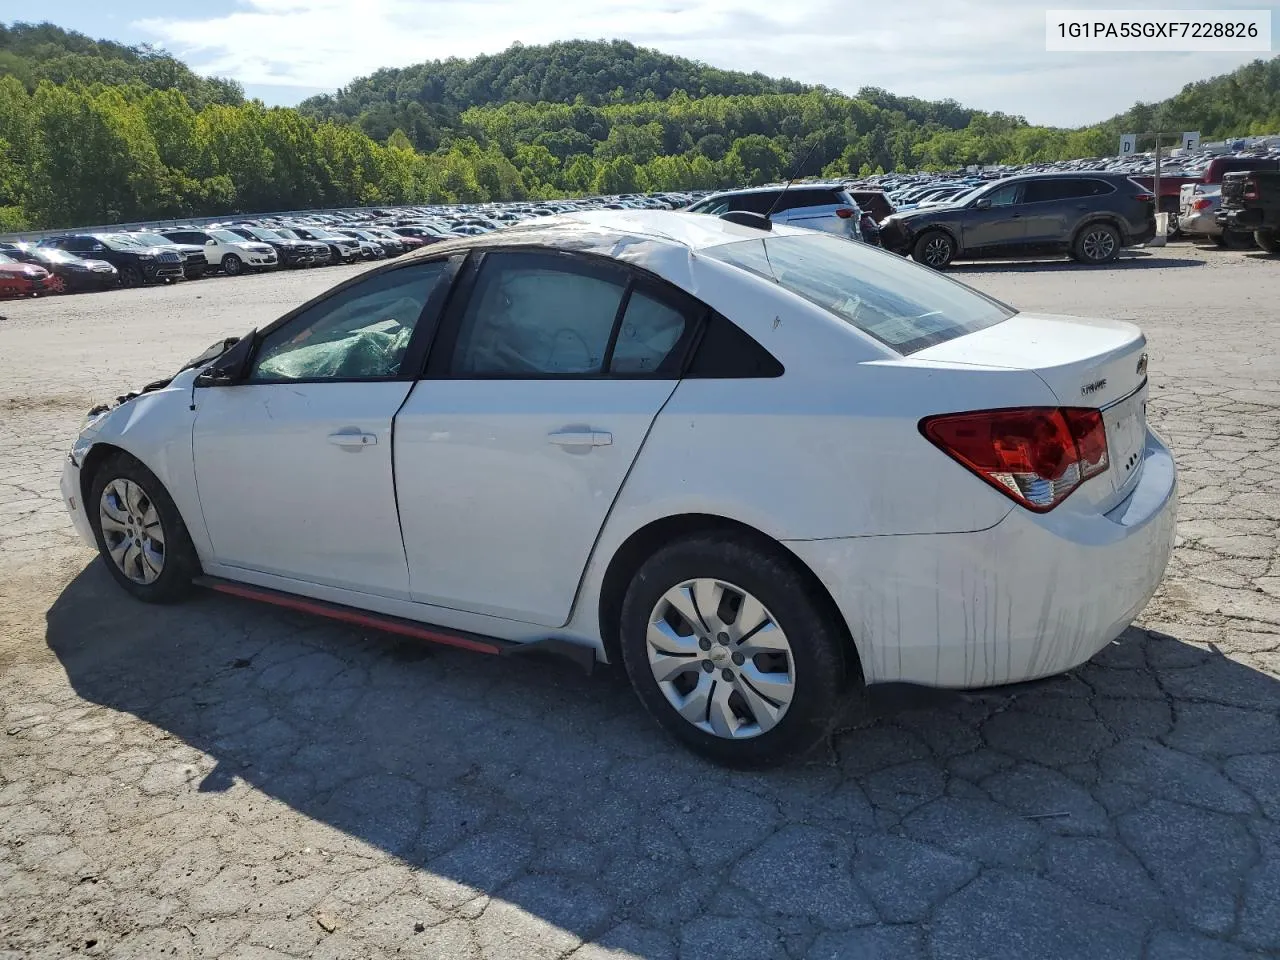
(984, 53)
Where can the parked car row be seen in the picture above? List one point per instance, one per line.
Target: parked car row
(82, 261)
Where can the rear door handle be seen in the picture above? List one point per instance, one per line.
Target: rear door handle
(580, 438)
(353, 440)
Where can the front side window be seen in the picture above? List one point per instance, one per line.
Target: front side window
(534, 314)
(904, 306)
(359, 333)
(1005, 196)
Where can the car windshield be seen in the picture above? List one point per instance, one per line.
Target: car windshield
(284, 232)
(905, 306)
(226, 236)
(6, 259)
(262, 233)
(53, 255)
(152, 239)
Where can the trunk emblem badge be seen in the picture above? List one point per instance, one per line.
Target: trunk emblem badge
(1094, 387)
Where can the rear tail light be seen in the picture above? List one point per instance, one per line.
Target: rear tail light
(844, 213)
(1035, 455)
(1144, 196)
(1201, 204)
(1251, 189)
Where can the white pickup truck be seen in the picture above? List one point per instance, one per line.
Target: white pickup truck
(228, 252)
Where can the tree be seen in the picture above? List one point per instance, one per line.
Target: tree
(758, 157)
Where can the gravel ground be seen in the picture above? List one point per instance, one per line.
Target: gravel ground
(227, 780)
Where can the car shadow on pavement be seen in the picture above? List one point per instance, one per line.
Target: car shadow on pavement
(1139, 260)
(1133, 802)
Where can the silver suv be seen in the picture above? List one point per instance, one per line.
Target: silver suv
(817, 206)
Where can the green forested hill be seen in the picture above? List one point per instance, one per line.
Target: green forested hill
(1245, 101)
(97, 132)
(34, 52)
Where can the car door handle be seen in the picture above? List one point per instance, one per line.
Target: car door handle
(580, 438)
(353, 440)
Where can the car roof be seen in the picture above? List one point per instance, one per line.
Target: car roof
(661, 241)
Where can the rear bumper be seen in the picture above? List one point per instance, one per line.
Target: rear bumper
(1243, 220)
(1201, 224)
(1030, 597)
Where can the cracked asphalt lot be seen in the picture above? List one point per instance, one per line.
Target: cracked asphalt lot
(226, 780)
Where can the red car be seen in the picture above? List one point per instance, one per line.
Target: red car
(21, 279)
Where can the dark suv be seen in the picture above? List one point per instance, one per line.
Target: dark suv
(137, 262)
(1088, 216)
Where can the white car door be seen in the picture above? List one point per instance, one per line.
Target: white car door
(545, 380)
(293, 463)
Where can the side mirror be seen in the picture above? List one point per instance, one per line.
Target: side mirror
(232, 366)
(982, 204)
(211, 242)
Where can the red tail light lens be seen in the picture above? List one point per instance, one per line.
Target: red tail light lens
(1251, 189)
(1201, 204)
(1035, 455)
(1144, 196)
(844, 213)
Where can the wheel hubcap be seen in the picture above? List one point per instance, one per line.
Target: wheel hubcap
(1098, 245)
(936, 251)
(132, 531)
(721, 659)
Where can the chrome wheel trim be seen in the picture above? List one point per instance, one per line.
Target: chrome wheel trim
(1098, 244)
(721, 659)
(937, 251)
(132, 531)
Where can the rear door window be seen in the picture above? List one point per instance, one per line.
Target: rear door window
(904, 306)
(758, 202)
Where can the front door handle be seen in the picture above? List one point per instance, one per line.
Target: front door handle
(580, 438)
(353, 440)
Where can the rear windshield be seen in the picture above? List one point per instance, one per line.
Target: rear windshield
(905, 306)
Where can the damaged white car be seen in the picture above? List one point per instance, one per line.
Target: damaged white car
(760, 467)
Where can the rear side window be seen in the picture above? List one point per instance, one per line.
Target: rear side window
(905, 306)
(795, 198)
(535, 315)
(1063, 188)
(753, 202)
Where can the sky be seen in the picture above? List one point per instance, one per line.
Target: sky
(987, 54)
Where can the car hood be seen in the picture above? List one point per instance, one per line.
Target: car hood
(186, 373)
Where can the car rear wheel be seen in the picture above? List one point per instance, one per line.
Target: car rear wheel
(140, 533)
(232, 265)
(55, 284)
(1268, 240)
(1097, 243)
(732, 653)
(934, 249)
(130, 276)
(1234, 240)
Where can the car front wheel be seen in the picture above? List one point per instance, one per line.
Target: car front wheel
(140, 533)
(232, 265)
(934, 249)
(729, 648)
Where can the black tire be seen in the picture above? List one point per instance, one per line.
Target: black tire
(1268, 240)
(232, 265)
(180, 563)
(1235, 240)
(1096, 243)
(816, 642)
(130, 276)
(935, 249)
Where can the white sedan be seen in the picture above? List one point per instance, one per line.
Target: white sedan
(760, 467)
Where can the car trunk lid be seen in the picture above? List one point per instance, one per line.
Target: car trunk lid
(1085, 362)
